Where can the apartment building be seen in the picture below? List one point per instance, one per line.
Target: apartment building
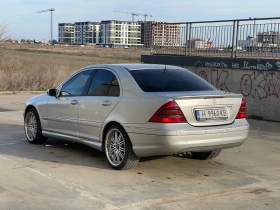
(269, 39)
(66, 33)
(87, 32)
(116, 33)
(160, 34)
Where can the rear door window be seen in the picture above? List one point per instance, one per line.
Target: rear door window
(114, 89)
(104, 83)
(171, 80)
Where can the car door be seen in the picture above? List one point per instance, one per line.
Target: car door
(103, 95)
(63, 110)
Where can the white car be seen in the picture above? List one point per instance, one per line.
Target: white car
(138, 110)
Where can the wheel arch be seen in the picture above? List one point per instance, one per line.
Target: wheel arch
(30, 106)
(105, 129)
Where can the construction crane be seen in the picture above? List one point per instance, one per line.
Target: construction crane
(135, 14)
(130, 13)
(145, 16)
(51, 10)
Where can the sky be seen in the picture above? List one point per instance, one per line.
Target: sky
(24, 22)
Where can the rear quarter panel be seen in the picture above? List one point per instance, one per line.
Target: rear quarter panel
(135, 108)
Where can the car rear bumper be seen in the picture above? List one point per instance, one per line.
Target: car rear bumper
(168, 142)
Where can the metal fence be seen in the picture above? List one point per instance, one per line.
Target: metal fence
(253, 37)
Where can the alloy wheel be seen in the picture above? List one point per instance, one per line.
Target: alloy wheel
(115, 147)
(31, 126)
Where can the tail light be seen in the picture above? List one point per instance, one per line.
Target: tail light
(169, 113)
(242, 111)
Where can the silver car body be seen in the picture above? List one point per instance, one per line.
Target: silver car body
(84, 119)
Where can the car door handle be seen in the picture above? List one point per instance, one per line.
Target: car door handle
(74, 102)
(106, 103)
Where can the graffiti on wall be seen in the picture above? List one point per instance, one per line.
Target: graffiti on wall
(244, 65)
(259, 85)
(218, 78)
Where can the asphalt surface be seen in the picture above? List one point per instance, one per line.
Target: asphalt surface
(62, 175)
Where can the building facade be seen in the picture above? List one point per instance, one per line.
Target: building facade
(87, 32)
(66, 33)
(269, 39)
(115, 33)
(198, 43)
(160, 34)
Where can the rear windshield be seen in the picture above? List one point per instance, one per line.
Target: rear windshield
(171, 80)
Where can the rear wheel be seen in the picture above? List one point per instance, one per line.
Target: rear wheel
(206, 155)
(32, 128)
(118, 149)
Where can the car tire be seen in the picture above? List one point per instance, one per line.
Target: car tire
(206, 155)
(118, 149)
(32, 127)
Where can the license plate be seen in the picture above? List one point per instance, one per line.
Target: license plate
(211, 114)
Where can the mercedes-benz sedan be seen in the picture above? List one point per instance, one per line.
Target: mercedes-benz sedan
(130, 111)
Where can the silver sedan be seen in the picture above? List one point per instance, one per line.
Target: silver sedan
(130, 111)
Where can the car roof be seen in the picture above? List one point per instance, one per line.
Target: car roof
(135, 66)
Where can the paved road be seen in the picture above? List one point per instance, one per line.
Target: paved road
(61, 175)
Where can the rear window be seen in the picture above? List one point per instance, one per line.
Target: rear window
(171, 80)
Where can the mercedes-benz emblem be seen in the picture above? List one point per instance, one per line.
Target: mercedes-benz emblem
(214, 101)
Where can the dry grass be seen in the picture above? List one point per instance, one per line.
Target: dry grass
(25, 67)
(82, 51)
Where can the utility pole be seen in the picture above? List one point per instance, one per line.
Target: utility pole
(51, 11)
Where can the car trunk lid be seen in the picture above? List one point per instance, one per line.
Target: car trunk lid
(207, 108)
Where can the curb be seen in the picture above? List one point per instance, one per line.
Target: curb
(21, 92)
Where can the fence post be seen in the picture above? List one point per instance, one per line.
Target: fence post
(233, 40)
(236, 38)
(186, 42)
(190, 36)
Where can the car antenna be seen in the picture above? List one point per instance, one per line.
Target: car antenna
(165, 69)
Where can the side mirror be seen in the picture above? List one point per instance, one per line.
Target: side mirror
(52, 92)
(58, 92)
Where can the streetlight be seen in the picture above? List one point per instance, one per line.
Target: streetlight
(254, 27)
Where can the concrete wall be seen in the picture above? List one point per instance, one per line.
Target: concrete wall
(261, 89)
(257, 79)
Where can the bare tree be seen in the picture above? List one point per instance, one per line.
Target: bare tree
(3, 37)
(4, 32)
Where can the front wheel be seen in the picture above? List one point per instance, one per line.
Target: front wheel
(32, 128)
(118, 149)
(206, 155)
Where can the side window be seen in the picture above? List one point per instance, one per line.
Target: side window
(114, 88)
(77, 84)
(102, 83)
